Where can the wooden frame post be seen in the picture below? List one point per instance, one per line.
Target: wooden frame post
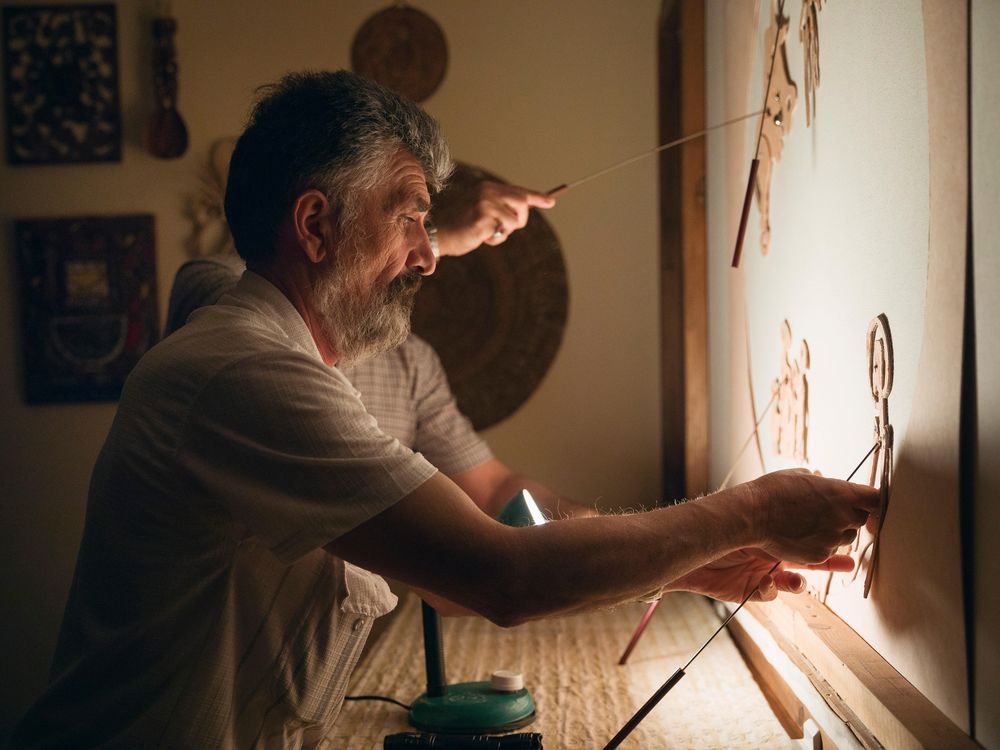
(683, 245)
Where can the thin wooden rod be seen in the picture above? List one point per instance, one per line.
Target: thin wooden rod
(559, 190)
(638, 632)
(648, 615)
(745, 212)
(770, 74)
(667, 686)
(747, 442)
(755, 164)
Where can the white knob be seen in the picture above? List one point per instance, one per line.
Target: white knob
(506, 681)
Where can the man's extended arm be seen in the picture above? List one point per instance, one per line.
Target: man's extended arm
(509, 575)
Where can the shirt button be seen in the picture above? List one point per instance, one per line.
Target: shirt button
(357, 624)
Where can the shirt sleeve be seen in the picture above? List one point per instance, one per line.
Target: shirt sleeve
(443, 434)
(284, 445)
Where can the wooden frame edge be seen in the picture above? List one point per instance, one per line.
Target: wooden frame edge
(888, 705)
(683, 250)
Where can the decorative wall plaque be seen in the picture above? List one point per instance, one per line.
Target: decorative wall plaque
(88, 304)
(61, 64)
(777, 120)
(495, 316)
(403, 49)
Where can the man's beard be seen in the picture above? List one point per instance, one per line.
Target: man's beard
(361, 322)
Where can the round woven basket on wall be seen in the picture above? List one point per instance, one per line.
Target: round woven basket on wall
(495, 316)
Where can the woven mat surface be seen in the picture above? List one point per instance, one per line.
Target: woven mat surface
(570, 665)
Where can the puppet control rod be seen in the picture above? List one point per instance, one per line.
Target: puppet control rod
(634, 640)
(667, 686)
(557, 191)
(755, 163)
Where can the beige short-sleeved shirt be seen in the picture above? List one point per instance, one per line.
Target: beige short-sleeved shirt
(204, 611)
(406, 390)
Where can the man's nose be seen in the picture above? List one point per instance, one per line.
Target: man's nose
(422, 257)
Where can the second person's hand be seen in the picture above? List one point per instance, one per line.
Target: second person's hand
(487, 215)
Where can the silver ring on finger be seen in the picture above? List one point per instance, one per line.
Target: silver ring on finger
(498, 231)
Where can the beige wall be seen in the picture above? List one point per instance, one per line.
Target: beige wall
(537, 92)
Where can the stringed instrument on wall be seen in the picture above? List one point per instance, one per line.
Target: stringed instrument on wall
(166, 133)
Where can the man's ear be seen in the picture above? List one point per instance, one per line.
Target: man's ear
(312, 224)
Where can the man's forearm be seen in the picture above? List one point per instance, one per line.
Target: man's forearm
(437, 540)
(608, 560)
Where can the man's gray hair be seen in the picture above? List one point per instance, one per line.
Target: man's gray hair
(333, 132)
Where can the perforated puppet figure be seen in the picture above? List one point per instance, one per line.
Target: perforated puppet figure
(245, 502)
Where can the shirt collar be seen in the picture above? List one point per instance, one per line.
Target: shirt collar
(256, 293)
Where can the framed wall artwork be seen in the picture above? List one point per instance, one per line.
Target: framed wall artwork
(61, 84)
(88, 304)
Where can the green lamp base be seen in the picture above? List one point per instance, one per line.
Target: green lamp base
(473, 708)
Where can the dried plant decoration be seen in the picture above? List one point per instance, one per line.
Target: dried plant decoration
(809, 36)
(210, 231)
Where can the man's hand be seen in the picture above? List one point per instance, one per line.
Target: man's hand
(487, 215)
(804, 518)
(732, 577)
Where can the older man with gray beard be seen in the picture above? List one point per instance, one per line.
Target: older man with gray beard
(245, 503)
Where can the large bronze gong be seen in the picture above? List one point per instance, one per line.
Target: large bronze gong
(495, 316)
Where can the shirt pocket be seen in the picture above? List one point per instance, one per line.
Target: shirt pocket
(312, 694)
(312, 684)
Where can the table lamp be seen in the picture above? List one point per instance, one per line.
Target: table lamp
(498, 705)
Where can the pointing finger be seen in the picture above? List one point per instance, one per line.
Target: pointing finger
(866, 498)
(530, 197)
(540, 200)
